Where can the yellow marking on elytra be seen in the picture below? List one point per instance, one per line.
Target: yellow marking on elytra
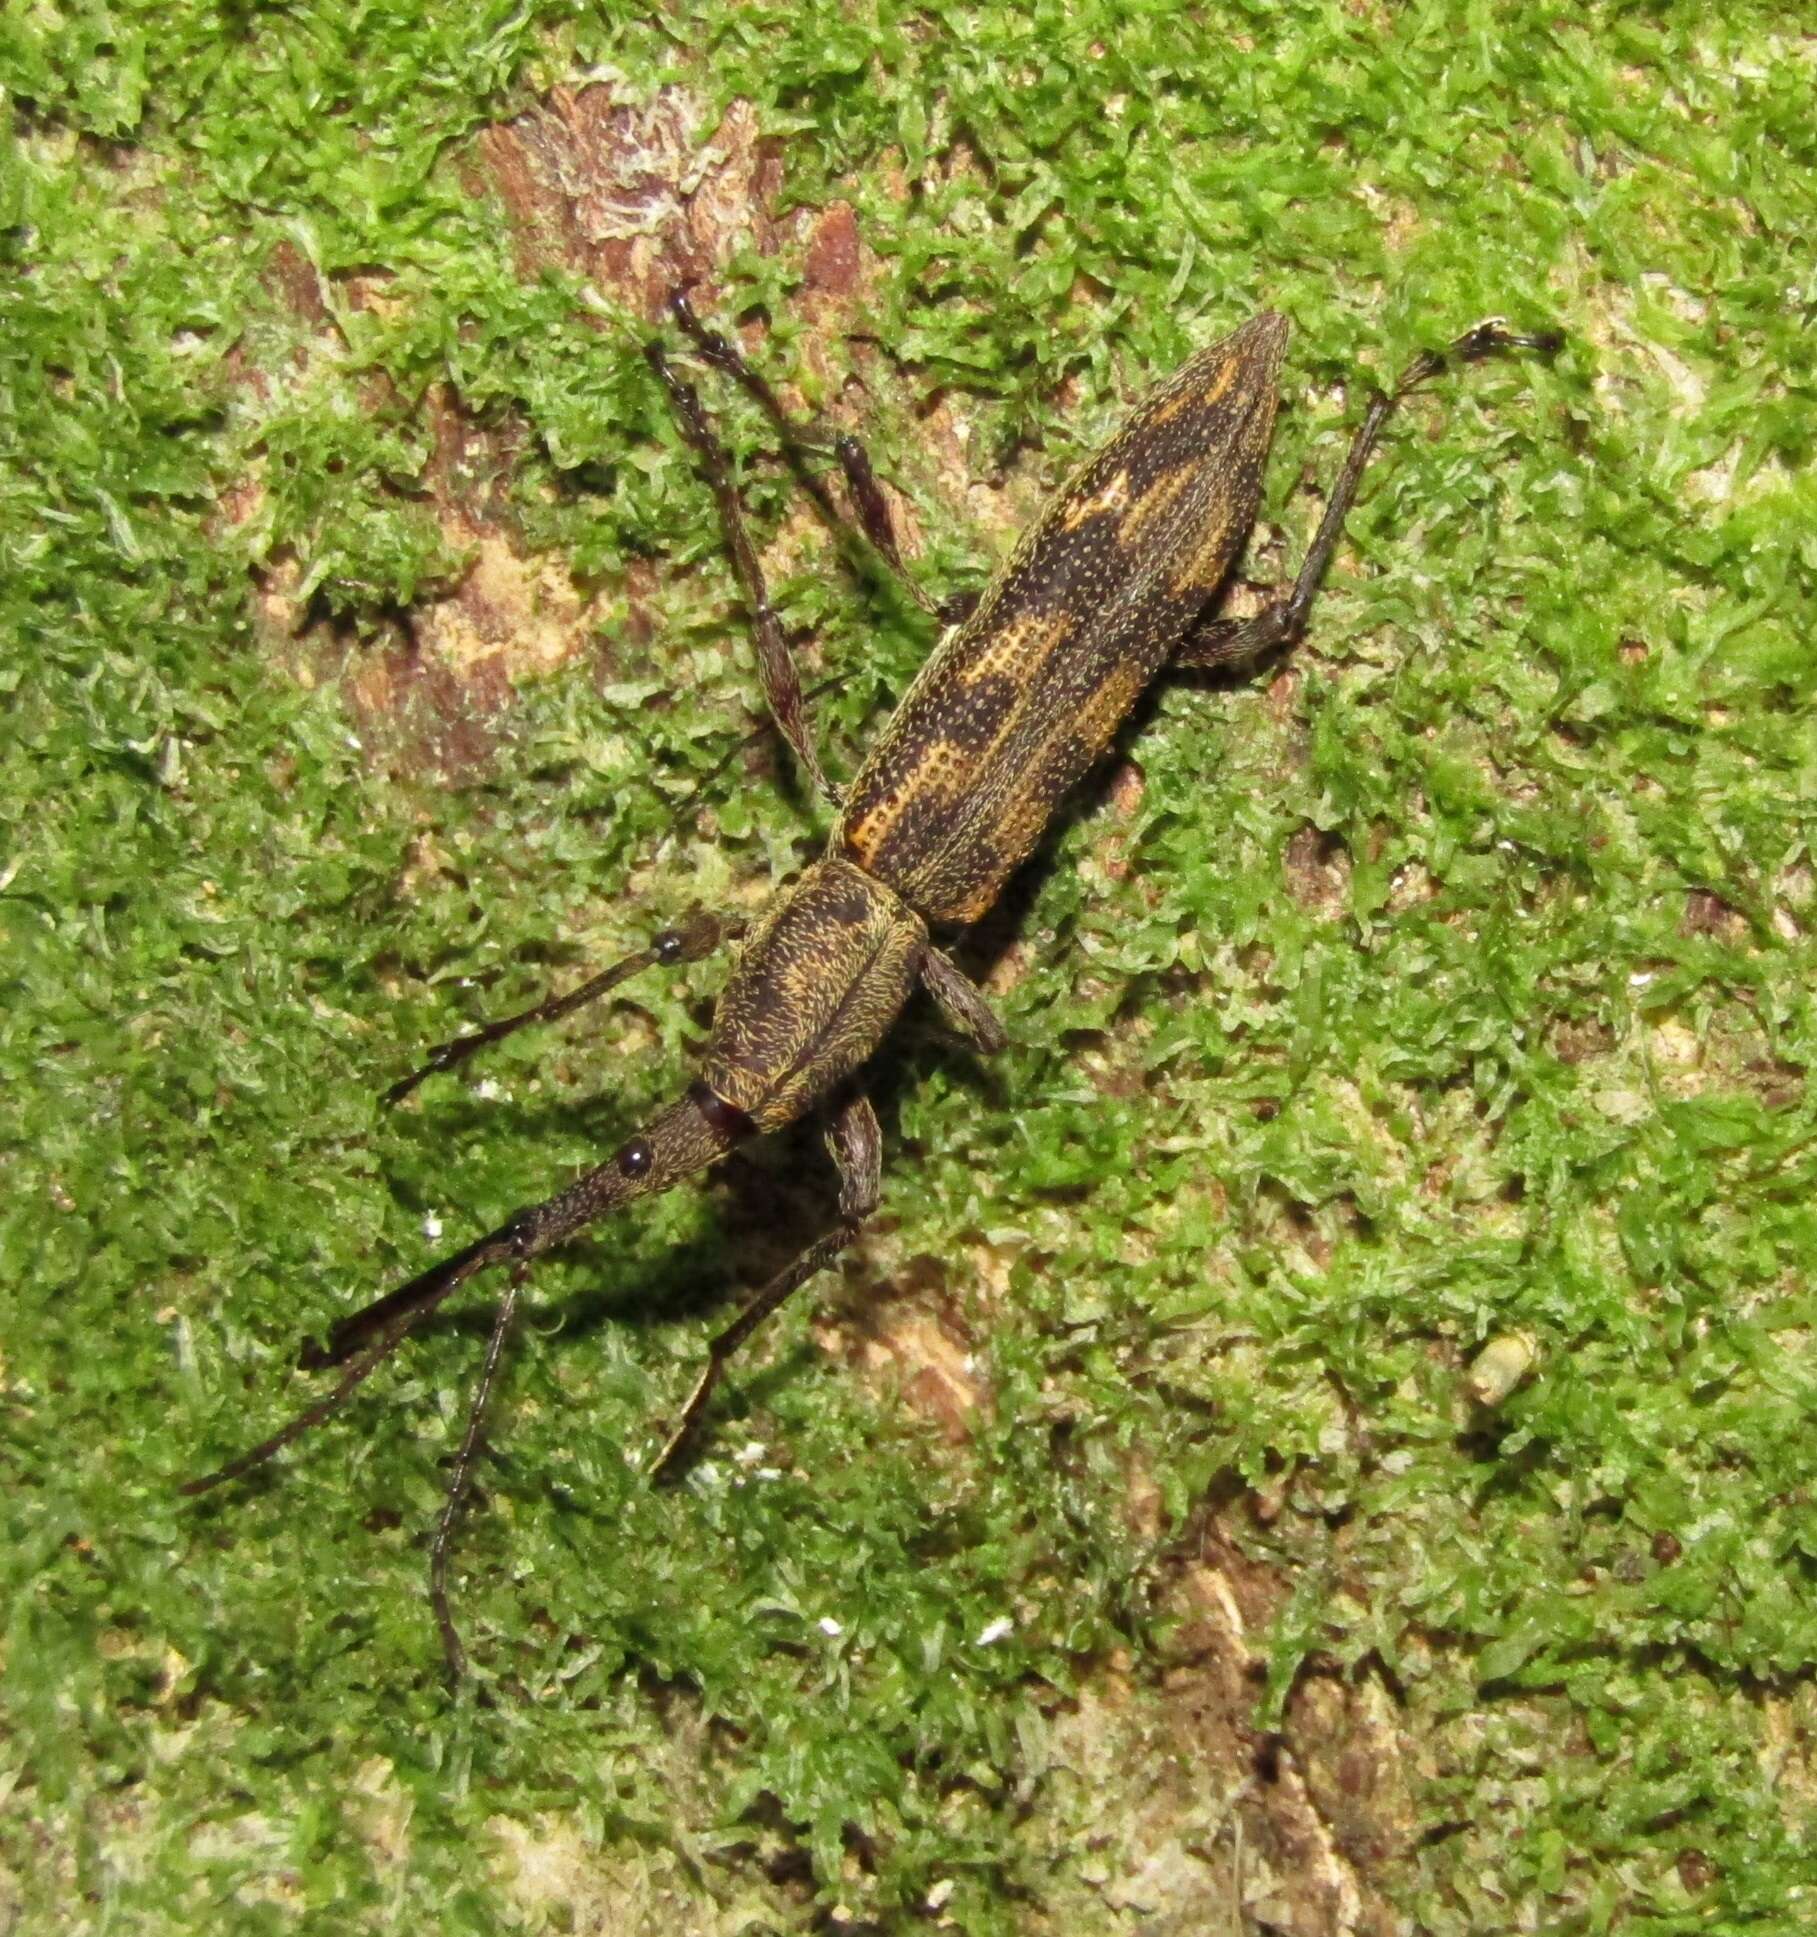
(1102, 713)
(867, 835)
(1108, 497)
(1225, 376)
(1187, 398)
(1020, 648)
(1208, 564)
(1155, 503)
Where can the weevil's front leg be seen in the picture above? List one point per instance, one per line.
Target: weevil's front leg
(857, 1147)
(698, 936)
(874, 523)
(1223, 641)
(962, 1003)
(775, 663)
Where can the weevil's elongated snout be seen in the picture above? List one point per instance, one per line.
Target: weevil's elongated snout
(690, 1134)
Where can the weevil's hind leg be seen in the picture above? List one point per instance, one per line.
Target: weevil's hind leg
(857, 1147)
(699, 934)
(775, 663)
(1225, 641)
(962, 1003)
(874, 524)
(460, 1482)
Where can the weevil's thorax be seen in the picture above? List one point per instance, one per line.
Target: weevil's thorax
(820, 982)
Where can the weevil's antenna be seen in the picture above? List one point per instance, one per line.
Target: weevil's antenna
(393, 1319)
(313, 1416)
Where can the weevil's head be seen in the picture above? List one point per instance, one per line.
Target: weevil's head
(693, 1132)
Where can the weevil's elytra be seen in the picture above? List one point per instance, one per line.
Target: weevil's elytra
(966, 775)
(1106, 589)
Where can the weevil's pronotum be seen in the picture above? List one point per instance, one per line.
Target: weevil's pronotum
(1110, 587)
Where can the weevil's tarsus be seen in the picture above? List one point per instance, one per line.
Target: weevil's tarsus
(695, 937)
(1223, 642)
(460, 1481)
(874, 526)
(856, 1144)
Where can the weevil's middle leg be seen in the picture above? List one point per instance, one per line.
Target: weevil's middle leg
(699, 934)
(1223, 641)
(962, 1003)
(857, 1147)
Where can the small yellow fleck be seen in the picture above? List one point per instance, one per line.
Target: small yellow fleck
(1499, 1367)
(1112, 497)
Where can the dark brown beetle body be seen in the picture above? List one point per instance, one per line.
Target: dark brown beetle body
(1108, 588)
(1012, 708)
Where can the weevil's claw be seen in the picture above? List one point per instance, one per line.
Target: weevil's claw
(666, 1468)
(1488, 338)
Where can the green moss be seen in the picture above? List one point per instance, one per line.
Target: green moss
(1455, 988)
